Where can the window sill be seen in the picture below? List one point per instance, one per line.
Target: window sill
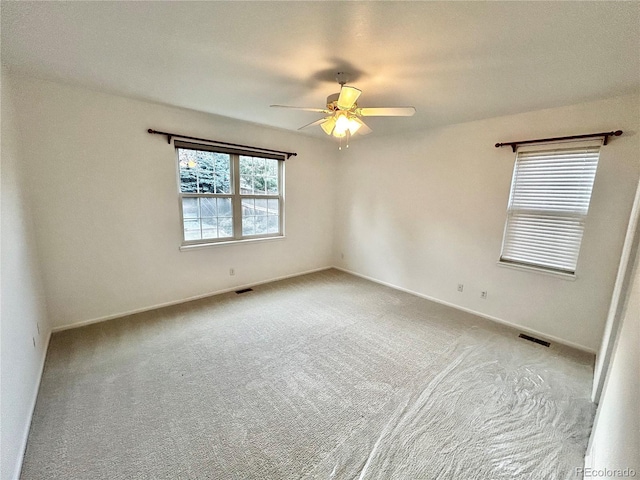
(564, 276)
(196, 246)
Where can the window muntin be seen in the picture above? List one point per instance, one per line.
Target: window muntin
(228, 195)
(548, 206)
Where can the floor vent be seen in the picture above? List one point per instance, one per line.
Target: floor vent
(534, 340)
(244, 290)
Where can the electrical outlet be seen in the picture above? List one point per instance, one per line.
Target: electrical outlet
(232, 272)
(460, 287)
(483, 294)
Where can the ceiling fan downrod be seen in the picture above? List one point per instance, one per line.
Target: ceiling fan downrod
(342, 78)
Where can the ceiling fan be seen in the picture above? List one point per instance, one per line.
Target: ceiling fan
(343, 116)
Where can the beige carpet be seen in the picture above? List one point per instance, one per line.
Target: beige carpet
(320, 376)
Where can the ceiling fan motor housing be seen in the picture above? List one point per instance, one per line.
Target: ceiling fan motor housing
(342, 77)
(332, 101)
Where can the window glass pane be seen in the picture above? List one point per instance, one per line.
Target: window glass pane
(224, 207)
(258, 176)
(266, 176)
(246, 165)
(225, 227)
(190, 208)
(192, 230)
(272, 185)
(273, 207)
(246, 174)
(261, 207)
(209, 233)
(204, 172)
(223, 172)
(259, 184)
(261, 225)
(246, 185)
(273, 224)
(209, 228)
(208, 207)
(272, 168)
(208, 222)
(248, 225)
(188, 170)
(202, 223)
(247, 206)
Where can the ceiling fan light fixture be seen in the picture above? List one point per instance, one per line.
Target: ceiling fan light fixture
(344, 114)
(343, 124)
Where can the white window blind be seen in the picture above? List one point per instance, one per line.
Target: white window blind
(550, 195)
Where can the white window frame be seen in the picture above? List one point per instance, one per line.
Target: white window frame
(235, 195)
(577, 215)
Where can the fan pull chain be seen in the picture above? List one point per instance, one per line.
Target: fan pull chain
(348, 136)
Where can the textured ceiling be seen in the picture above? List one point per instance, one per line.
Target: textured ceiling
(453, 61)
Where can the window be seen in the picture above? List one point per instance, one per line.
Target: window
(228, 195)
(550, 195)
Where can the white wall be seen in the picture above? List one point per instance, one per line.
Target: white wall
(426, 211)
(104, 195)
(615, 439)
(22, 305)
(621, 288)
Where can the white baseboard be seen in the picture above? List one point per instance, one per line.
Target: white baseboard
(480, 314)
(183, 300)
(27, 428)
(366, 277)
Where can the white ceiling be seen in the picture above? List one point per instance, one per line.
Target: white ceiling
(453, 61)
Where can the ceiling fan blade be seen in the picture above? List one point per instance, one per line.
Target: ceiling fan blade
(348, 96)
(387, 111)
(364, 129)
(328, 125)
(312, 124)
(306, 109)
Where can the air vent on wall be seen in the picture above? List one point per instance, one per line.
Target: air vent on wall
(534, 340)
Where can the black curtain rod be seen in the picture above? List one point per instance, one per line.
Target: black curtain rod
(177, 135)
(606, 136)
